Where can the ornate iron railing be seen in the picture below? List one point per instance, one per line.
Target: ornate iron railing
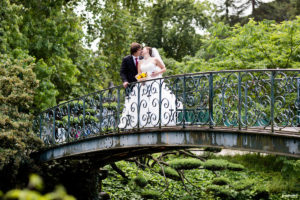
(268, 99)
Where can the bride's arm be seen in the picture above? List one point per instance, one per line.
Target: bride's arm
(161, 66)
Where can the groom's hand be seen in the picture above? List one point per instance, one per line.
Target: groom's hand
(125, 84)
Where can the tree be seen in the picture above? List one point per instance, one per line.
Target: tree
(172, 25)
(53, 34)
(17, 141)
(279, 10)
(252, 46)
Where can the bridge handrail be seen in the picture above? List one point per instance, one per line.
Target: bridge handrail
(266, 98)
(178, 75)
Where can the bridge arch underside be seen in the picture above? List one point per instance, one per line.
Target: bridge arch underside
(114, 147)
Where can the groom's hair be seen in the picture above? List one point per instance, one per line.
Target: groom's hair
(134, 47)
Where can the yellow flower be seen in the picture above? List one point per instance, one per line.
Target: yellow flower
(144, 75)
(139, 77)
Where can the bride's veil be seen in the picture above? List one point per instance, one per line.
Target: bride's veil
(156, 54)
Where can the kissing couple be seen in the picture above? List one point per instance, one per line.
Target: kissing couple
(152, 103)
(142, 60)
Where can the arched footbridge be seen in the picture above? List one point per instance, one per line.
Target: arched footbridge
(252, 110)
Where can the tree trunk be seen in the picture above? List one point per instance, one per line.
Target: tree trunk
(253, 2)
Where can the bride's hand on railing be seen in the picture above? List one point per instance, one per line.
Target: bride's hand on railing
(154, 74)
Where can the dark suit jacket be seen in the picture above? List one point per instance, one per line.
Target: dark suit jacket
(128, 70)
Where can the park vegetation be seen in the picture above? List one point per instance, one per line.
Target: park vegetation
(46, 58)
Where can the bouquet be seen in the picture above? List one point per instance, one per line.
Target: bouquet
(142, 76)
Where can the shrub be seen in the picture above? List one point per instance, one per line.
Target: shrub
(244, 185)
(90, 111)
(77, 120)
(219, 164)
(150, 194)
(220, 181)
(110, 106)
(235, 167)
(189, 198)
(223, 193)
(188, 163)
(215, 164)
(140, 181)
(170, 173)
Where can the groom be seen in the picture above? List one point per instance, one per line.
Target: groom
(129, 64)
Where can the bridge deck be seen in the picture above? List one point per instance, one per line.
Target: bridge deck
(118, 146)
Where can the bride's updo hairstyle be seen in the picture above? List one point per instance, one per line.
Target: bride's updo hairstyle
(150, 51)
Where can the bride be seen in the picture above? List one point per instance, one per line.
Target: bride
(151, 103)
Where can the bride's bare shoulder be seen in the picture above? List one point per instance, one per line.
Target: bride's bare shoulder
(156, 60)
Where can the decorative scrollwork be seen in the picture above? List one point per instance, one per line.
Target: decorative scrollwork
(268, 99)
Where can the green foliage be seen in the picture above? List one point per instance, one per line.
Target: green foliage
(216, 164)
(221, 192)
(239, 185)
(116, 27)
(283, 171)
(10, 34)
(79, 119)
(258, 45)
(140, 181)
(187, 163)
(17, 85)
(235, 167)
(170, 173)
(220, 181)
(150, 194)
(112, 105)
(52, 34)
(90, 111)
(278, 10)
(36, 182)
(244, 185)
(172, 25)
(44, 60)
(188, 198)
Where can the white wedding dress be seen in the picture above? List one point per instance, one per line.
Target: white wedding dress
(142, 108)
